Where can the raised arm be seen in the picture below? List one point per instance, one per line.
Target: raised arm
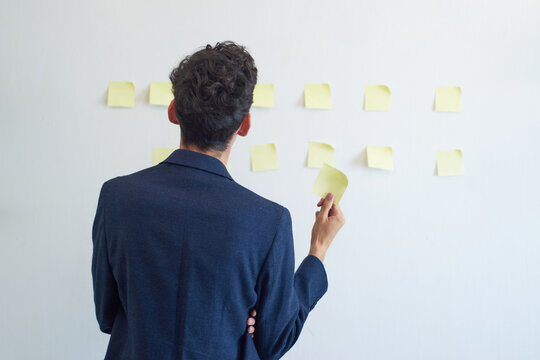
(285, 297)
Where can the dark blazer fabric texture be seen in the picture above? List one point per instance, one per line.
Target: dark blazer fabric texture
(181, 253)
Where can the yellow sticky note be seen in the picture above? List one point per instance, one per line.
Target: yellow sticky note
(377, 98)
(450, 162)
(263, 157)
(319, 154)
(121, 93)
(160, 154)
(448, 98)
(161, 93)
(317, 96)
(379, 157)
(330, 180)
(263, 95)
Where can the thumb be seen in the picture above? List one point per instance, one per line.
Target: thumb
(327, 204)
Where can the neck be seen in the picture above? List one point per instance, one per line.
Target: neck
(222, 156)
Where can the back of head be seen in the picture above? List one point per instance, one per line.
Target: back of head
(213, 92)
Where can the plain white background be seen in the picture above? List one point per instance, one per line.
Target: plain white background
(425, 268)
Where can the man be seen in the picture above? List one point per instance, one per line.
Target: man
(182, 253)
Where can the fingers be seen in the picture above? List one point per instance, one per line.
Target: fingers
(327, 204)
(251, 321)
(336, 212)
(320, 202)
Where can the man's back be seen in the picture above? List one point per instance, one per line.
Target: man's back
(182, 253)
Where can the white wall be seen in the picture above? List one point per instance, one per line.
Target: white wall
(426, 267)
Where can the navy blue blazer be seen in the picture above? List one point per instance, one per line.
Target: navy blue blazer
(182, 253)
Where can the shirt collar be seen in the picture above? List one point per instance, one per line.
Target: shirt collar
(199, 161)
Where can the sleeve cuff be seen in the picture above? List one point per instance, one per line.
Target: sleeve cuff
(313, 274)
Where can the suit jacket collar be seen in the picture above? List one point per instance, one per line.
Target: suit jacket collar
(199, 161)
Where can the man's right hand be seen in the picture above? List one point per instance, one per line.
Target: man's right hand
(328, 220)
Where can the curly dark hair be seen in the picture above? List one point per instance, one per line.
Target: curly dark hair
(213, 91)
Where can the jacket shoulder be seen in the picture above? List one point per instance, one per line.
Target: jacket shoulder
(251, 201)
(258, 199)
(122, 180)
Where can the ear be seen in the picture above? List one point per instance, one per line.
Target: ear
(245, 126)
(172, 114)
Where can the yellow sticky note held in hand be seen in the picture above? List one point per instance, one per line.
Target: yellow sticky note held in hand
(121, 93)
(450, 163)
(330, 180)
(160, 154)
(379, 157)
(263, 95)
(317, 96)
(448, 98)
(161, 93)
(320, 153)
(263, 157)
(377, 98)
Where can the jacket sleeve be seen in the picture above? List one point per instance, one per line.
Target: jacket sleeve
(285, 298)
(106, 297)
